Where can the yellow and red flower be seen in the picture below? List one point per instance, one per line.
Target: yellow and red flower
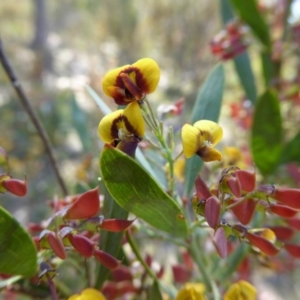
(123, 128)
(201, 138)
(88, 294)
(132, 82)
(191, 291)
(241, 290)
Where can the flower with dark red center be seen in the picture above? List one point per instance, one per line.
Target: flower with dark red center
(132, 82)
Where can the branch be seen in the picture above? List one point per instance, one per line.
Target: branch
(32, 115)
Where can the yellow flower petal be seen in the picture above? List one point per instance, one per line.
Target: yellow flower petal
(242, 290)
(88, 294)
(191, 291)
(110, 80)
(211, 131)
(190, 140)
(265, 233)
(106, 130)
(133, 120)
(147, 77)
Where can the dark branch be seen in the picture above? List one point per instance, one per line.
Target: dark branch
(32, 115)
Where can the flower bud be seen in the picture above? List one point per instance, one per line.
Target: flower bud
(234, 186)
(293, 249)
(82, 244)
(86, 206)
(106, 259)
(56, 244)
(115, 225)
(220, 242)
(244, 211)
(282, 233)
(15, 186)
(288, 196)
(247, 180)
(282, 210)
(202, 191)
(212, 211)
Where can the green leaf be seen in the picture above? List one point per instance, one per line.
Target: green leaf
(137, 192)
(226, 11)
(266, 136)
(80, 121)
(207, 107)
(244, 70)
(291, 151)
(249, 13)
(110, 242)
(154, 292)
(18, 255)
(267, 67)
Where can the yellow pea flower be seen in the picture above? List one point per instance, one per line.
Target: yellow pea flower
(200, 139)
(241, 290)
(132, 82)
(88, 294)
(191, 291)
(125, 128)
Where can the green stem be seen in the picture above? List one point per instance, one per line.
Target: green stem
(138, 255)
(207, 280)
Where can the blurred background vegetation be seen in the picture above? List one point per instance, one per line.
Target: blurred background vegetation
(57, 47)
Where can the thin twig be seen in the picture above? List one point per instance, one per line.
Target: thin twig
(32, 115)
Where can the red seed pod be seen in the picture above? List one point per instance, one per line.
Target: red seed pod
(86, 206)
(56, 244)
(82, 244)
(181, 273)
(244, 211)
(212, 211)
(220, 242)
(106, 259)
(202, 191)
(234, 186)
(15, 186)
(294, 222)
(122, 273)
(288, 196)
(115, 225)
(282, 233)
(247, 180)
(282, 210)
(262, 244)
(293, 249)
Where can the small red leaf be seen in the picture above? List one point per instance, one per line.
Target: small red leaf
(283, 210)
(181, 273)
(106, 259)
(115, 225)
(212, 211)
(234, 186)
(282, 232)
(293, 250)
(202, 190)
(288, 196)
(247, 179)
(86, 206)
(82, 244)
(56, 244)
(122, 273)
(294, 222)
(244, 211)
(220, 242)
(262, 244)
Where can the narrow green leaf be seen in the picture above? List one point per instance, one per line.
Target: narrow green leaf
(154, 292)
(137, 192)
(244, 70)
(18, 255)
(267, 68)
(207, 107)
(110, 242)
(266, 136)
(249, 13)
(80, 121)
(226, 11)
(106, 110)
(291, 151)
